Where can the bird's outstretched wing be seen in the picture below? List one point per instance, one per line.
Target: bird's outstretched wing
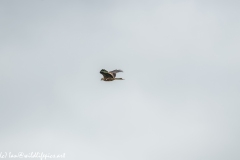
(114, 72)
(106, 74)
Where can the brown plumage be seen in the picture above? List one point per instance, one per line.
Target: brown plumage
(110, 76)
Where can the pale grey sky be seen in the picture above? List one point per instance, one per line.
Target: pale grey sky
(180, 98)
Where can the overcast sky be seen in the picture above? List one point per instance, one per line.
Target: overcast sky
(180, 98)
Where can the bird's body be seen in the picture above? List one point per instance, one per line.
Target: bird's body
(110, 76)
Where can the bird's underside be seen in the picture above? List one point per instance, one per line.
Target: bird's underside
(110, 76)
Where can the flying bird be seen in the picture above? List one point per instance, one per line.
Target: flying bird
(110, 76)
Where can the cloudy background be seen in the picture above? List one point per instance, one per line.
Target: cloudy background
(180, 98)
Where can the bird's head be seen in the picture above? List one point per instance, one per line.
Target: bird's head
(103, 71)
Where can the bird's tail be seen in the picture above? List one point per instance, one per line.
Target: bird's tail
(119, 79)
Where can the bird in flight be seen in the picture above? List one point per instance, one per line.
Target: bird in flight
(110, 76)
